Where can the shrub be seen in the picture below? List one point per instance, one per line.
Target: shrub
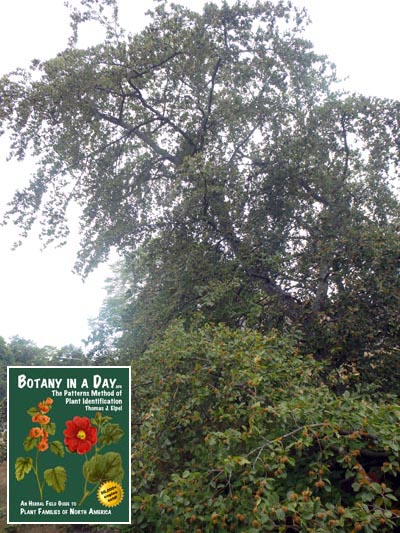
(235, 431)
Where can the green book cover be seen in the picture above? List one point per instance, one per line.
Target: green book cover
(69, 441)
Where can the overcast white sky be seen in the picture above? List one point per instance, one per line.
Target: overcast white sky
(40, 298)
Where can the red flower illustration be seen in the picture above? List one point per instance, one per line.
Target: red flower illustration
(80, 435)
(43, 445)
(44, 407)
(36, 433)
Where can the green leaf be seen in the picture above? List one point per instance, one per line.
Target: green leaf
(32, 411)
(30, 443)
(376, 487)
(99, 419)
(57, 448)
(50, 428)
(23, 465)
(241, 460)
(111, 434)
(107, 467)
(280, 515)
(56, 478)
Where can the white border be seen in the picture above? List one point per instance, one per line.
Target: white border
(130, 444)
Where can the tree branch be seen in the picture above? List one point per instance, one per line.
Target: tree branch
(209, 103)
(289, 303)
(346, 147)
(322, 289)
(152, 68)
(164, 119)
(144, 137)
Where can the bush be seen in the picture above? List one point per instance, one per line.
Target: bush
(237, 431)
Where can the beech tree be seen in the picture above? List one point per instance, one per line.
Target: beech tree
(215, 151)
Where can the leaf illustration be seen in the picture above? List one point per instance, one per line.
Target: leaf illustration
(57, 448)
(107, 467)
(23, 465)
(30, 443)
(111, 434)
(56, 478)
(33, 411)
(50, 428)
(99, 419)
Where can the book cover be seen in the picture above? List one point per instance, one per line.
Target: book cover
(69, 441)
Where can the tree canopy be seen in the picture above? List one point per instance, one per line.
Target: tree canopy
(214, 151)
(23, 352)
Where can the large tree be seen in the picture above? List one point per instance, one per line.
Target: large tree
(213, 147)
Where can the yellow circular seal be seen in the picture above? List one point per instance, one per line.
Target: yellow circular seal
(110, 493)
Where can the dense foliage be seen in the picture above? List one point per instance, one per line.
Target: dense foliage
(236, 431)
(22, 352)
